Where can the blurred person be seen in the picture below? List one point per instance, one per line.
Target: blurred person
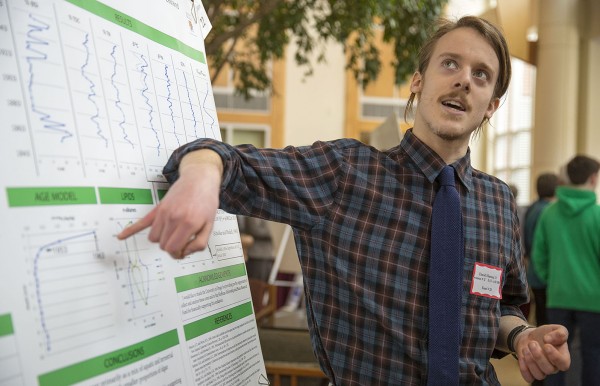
(526, 307)
(546, 190)
(566, 254)
(546, 184)
(260, 253)
(362, 223)
(521, 209)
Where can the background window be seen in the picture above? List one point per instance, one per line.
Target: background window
(510, 132)
(237, 134)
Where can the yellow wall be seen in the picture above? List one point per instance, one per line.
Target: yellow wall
(384, 87)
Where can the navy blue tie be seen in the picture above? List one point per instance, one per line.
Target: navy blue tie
(445, 283)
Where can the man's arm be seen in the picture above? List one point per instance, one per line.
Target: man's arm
(541, 350)
(181, 223)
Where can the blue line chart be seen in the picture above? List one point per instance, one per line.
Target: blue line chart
(118, 101)
(143, 275)
(143, 70)
(46, 248)
(170, 102)
(34, 45)
(92, 95)
(138, 275)
(187, 89)
(208, 112)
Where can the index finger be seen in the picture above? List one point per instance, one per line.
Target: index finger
(137, 226)
(557, 336)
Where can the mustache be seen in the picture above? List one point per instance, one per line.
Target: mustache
(456, 96)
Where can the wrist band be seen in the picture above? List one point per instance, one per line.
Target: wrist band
(510, 341)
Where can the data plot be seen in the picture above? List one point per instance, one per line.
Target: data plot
(190, 107)
(47, 96)
(88, 96)
(71, 289)
(207, 102)
(141, 275)
(169, 102)
(147, 113)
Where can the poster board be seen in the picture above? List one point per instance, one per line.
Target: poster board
(94, 97)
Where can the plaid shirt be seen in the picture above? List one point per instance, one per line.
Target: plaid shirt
(361, 220)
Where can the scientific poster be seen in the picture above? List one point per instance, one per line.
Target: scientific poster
(94, 97)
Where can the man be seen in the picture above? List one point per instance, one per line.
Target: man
(362, 221)
(566, 253)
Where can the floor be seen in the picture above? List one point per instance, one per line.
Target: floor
(508, 371)
(507, 368)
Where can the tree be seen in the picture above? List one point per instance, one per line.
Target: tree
(248, 34)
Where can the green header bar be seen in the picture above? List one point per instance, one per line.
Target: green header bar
(211, 323)
(6, 326)
(125, 196)
(201, 279)
(43, 196)
(138, 27)
(109, 362)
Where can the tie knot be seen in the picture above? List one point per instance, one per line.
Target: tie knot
(446, 176)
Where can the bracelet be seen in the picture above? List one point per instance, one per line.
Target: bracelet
(510, 341)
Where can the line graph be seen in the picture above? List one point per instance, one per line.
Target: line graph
(141, 275)
(191, 118)
(118, 103)
(211, 126)
(168, 102)
(36, 46)
(71, 287)
(92, 96)
(46, 94)
(102, 100)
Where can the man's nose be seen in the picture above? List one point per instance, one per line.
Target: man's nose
(463, 80)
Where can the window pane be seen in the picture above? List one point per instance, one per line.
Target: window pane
(254, 137)
(500, 153)
(500, 117)
(521, 102)
(520, 178)
(522, 114)
(521, 143)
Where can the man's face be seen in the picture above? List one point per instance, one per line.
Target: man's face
(456, 91)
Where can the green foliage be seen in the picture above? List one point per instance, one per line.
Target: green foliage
(265, 27)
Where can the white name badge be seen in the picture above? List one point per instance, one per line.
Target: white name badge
(486, 281)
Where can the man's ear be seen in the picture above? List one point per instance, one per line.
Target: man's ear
(416, 83)
(594, 180)
(492, 107)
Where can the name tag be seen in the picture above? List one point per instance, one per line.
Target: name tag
(486, 281)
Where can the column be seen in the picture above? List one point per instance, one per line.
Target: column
(554, 136)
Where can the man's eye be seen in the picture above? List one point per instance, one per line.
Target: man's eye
(449, 63)
(480, 74)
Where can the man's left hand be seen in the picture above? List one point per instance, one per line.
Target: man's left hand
(543, 351)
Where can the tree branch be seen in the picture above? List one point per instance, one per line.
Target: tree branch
(264, 9)
(225, 60)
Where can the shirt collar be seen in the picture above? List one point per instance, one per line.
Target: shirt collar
(431, 164)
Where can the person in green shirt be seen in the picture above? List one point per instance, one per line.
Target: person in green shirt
(566, 254)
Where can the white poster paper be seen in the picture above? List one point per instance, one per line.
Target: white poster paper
(94, 97)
